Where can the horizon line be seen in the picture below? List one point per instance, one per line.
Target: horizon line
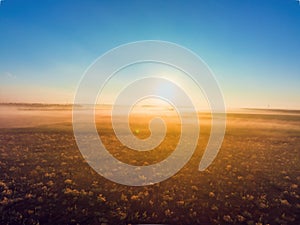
(146, 105)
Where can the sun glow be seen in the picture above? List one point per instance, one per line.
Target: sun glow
(174, 79)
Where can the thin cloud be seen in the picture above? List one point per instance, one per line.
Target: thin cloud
(10, 75)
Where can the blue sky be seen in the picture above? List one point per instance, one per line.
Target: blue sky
(252, 46)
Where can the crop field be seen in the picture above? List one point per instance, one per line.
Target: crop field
(44, 179)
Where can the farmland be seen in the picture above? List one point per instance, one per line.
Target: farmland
(44, 179)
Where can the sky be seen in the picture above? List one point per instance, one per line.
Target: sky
(252, 46)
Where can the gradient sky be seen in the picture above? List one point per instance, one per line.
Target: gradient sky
(252, 46)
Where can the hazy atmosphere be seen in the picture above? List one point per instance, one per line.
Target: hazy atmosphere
(172, 139)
